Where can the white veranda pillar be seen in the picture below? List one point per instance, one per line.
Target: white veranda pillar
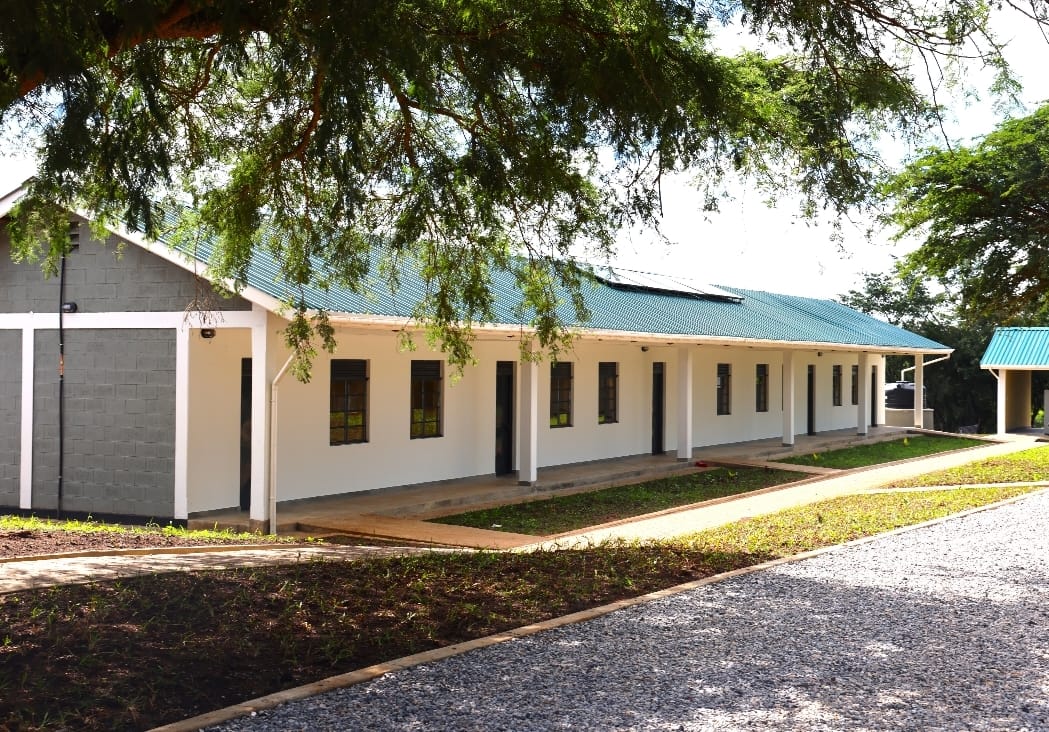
(919, 390)
(528, 425)
(1002, 401)
(25, 469)
(259, 513)
(788, 398)
(863, 393)
(182, 364)
(684, 403)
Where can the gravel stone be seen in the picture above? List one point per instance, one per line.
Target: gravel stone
(941, 628)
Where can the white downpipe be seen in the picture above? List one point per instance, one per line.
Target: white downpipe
(271, 479)
(924, 363)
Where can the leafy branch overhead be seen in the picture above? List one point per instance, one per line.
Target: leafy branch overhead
(465, 135)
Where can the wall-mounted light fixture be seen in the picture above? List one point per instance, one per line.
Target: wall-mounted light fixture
(644, 349)
(207, 333)
(69, 307)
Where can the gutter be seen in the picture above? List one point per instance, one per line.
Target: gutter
(383, 322)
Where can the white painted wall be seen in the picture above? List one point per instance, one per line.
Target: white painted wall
(308, 466)
(743, 423)
(827, 415)
(213, 478)
(586, 439)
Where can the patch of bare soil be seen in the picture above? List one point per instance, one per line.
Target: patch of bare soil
(38, 542)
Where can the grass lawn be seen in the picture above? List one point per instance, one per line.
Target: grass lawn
(1026, 466)
(567, 513)
(876, 453)
(140, 652)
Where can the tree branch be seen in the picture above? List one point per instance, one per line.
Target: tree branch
(180, 21)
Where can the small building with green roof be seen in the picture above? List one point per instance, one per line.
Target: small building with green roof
(1012, 356)
(166, 413)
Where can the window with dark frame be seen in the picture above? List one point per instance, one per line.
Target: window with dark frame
(761, 388)
(561, 394)
(855, 384)
(836, 386)
(426, 399)
(348, 411)
(607, 392)
(724, 388)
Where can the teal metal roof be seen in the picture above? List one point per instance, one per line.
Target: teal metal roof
(1017, 348)
(743, 314)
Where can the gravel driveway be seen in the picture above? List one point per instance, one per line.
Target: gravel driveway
(941, 628)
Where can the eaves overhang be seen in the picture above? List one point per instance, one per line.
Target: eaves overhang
(501, 330)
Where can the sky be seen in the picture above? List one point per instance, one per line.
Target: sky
(750, 245)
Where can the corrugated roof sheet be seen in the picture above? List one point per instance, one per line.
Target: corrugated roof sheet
(747, 314)
(1017, 347)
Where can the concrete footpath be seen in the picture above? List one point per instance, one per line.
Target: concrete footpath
(23, 574)
(17, 575)
(675, 522)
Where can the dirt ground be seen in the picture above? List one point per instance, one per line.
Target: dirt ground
(37, 542)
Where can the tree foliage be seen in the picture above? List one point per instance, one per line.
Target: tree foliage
(462, 134)
(897, 298)
(982, 214)
(958, 390)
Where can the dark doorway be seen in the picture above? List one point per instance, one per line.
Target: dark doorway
(810, 399)
(504, 417)
(245, 434)
(874, 396)
(658, 399)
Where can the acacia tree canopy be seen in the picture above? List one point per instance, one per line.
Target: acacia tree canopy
(463, 134)
(982, 213)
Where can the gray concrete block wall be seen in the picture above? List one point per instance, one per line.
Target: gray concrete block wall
(119, 425)
(10, 415)
(105, 277)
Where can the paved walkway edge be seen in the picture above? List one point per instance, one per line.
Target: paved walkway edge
(151, 551)
(371, 673)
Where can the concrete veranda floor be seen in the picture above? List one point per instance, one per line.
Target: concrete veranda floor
(400, 514)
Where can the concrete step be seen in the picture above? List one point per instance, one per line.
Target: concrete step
(393, 528)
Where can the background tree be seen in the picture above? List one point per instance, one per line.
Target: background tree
(899, 299)
(961, 393)
(462, 134)
(982, 215)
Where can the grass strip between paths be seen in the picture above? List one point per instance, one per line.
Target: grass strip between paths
(140, 652)
(580, 510)
(876, 453)
(1025, 466)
